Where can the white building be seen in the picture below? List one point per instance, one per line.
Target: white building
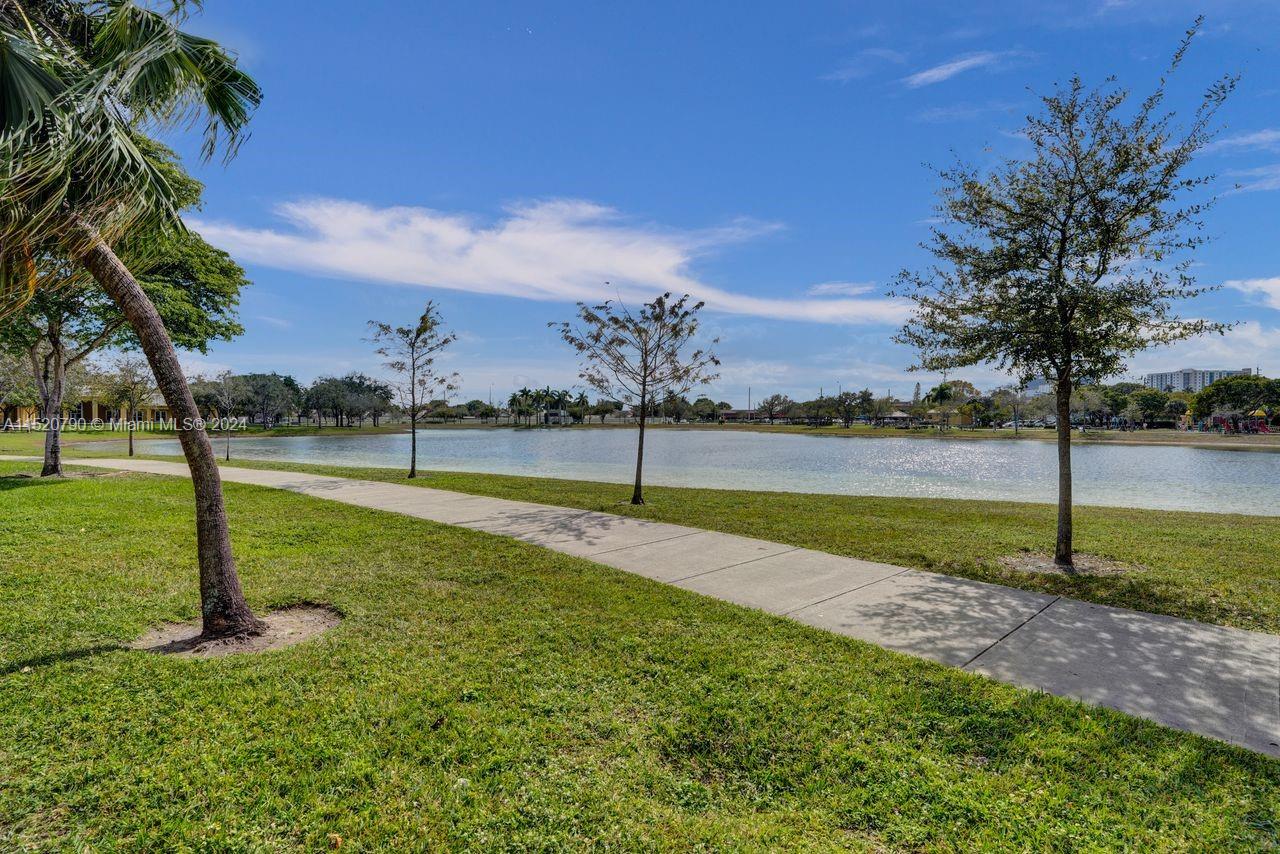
(1189, 379)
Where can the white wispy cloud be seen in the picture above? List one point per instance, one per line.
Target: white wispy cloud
(952, 67)
(194, 366)
(1267, 139)
(560, 250)
(761, 373)
(1261, 179)
(1268, 289)
(963, 111)
(1248, 345)
(278, 322)
(863, 64)
(849, 289)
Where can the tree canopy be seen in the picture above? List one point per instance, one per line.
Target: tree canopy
(1063, 263)
(83, 82)
(1237, 395)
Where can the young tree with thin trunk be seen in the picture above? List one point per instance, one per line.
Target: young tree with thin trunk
(1012, 398)
(881, 408)
(127, 387)
(228, 394)
(640, 358)
(1064, 263)
(84, 80)
(411, 353)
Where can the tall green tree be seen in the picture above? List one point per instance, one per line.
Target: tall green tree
(1149, 402)
(519, 404)
(845, 405)
(328, 396)
(1237, 395)
(271, 397)
(17, 391)
(640, 357)
(775, 406)
(942, 399)
(1063, 263)
(370, 398)
(83, 82)
(866, 402)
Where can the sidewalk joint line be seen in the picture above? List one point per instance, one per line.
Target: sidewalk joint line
(650, 543)
(1003, 637)
(843, 592)
(732, 565)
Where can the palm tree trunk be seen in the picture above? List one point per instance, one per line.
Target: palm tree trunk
(1063, 548)
(222, 604)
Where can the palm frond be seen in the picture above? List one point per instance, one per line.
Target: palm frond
(80, 82)
(17, 276)
(164, 75)
(27, 86)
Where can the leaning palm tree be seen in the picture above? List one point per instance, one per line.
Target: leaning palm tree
(81, 83)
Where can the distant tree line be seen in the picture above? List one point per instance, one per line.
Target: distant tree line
(268, 400)
(1122, 404)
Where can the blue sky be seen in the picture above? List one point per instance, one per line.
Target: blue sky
(506, 159)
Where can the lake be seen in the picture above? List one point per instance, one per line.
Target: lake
(1160, 477)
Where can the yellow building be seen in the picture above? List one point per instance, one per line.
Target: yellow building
(89, 411)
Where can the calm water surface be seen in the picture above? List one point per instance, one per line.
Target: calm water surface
(1173, 478)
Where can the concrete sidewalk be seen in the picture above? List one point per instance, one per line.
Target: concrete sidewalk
(1215, 681)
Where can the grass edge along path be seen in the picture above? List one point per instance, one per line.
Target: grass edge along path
(483, 692)
(1214, 568)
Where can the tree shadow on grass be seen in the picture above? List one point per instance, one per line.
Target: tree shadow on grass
(1142, 591)
(55, 658)
(20, 480)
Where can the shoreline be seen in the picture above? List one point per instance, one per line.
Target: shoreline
(657, 481)
(1153, 438)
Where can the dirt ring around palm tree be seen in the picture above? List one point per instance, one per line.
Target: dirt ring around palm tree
(1084, 565)
(285, 627)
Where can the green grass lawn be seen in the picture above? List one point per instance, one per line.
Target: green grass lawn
(484, 693)
(20, 442)
(1216, 568)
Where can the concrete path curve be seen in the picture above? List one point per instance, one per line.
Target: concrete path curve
(1216, 681)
